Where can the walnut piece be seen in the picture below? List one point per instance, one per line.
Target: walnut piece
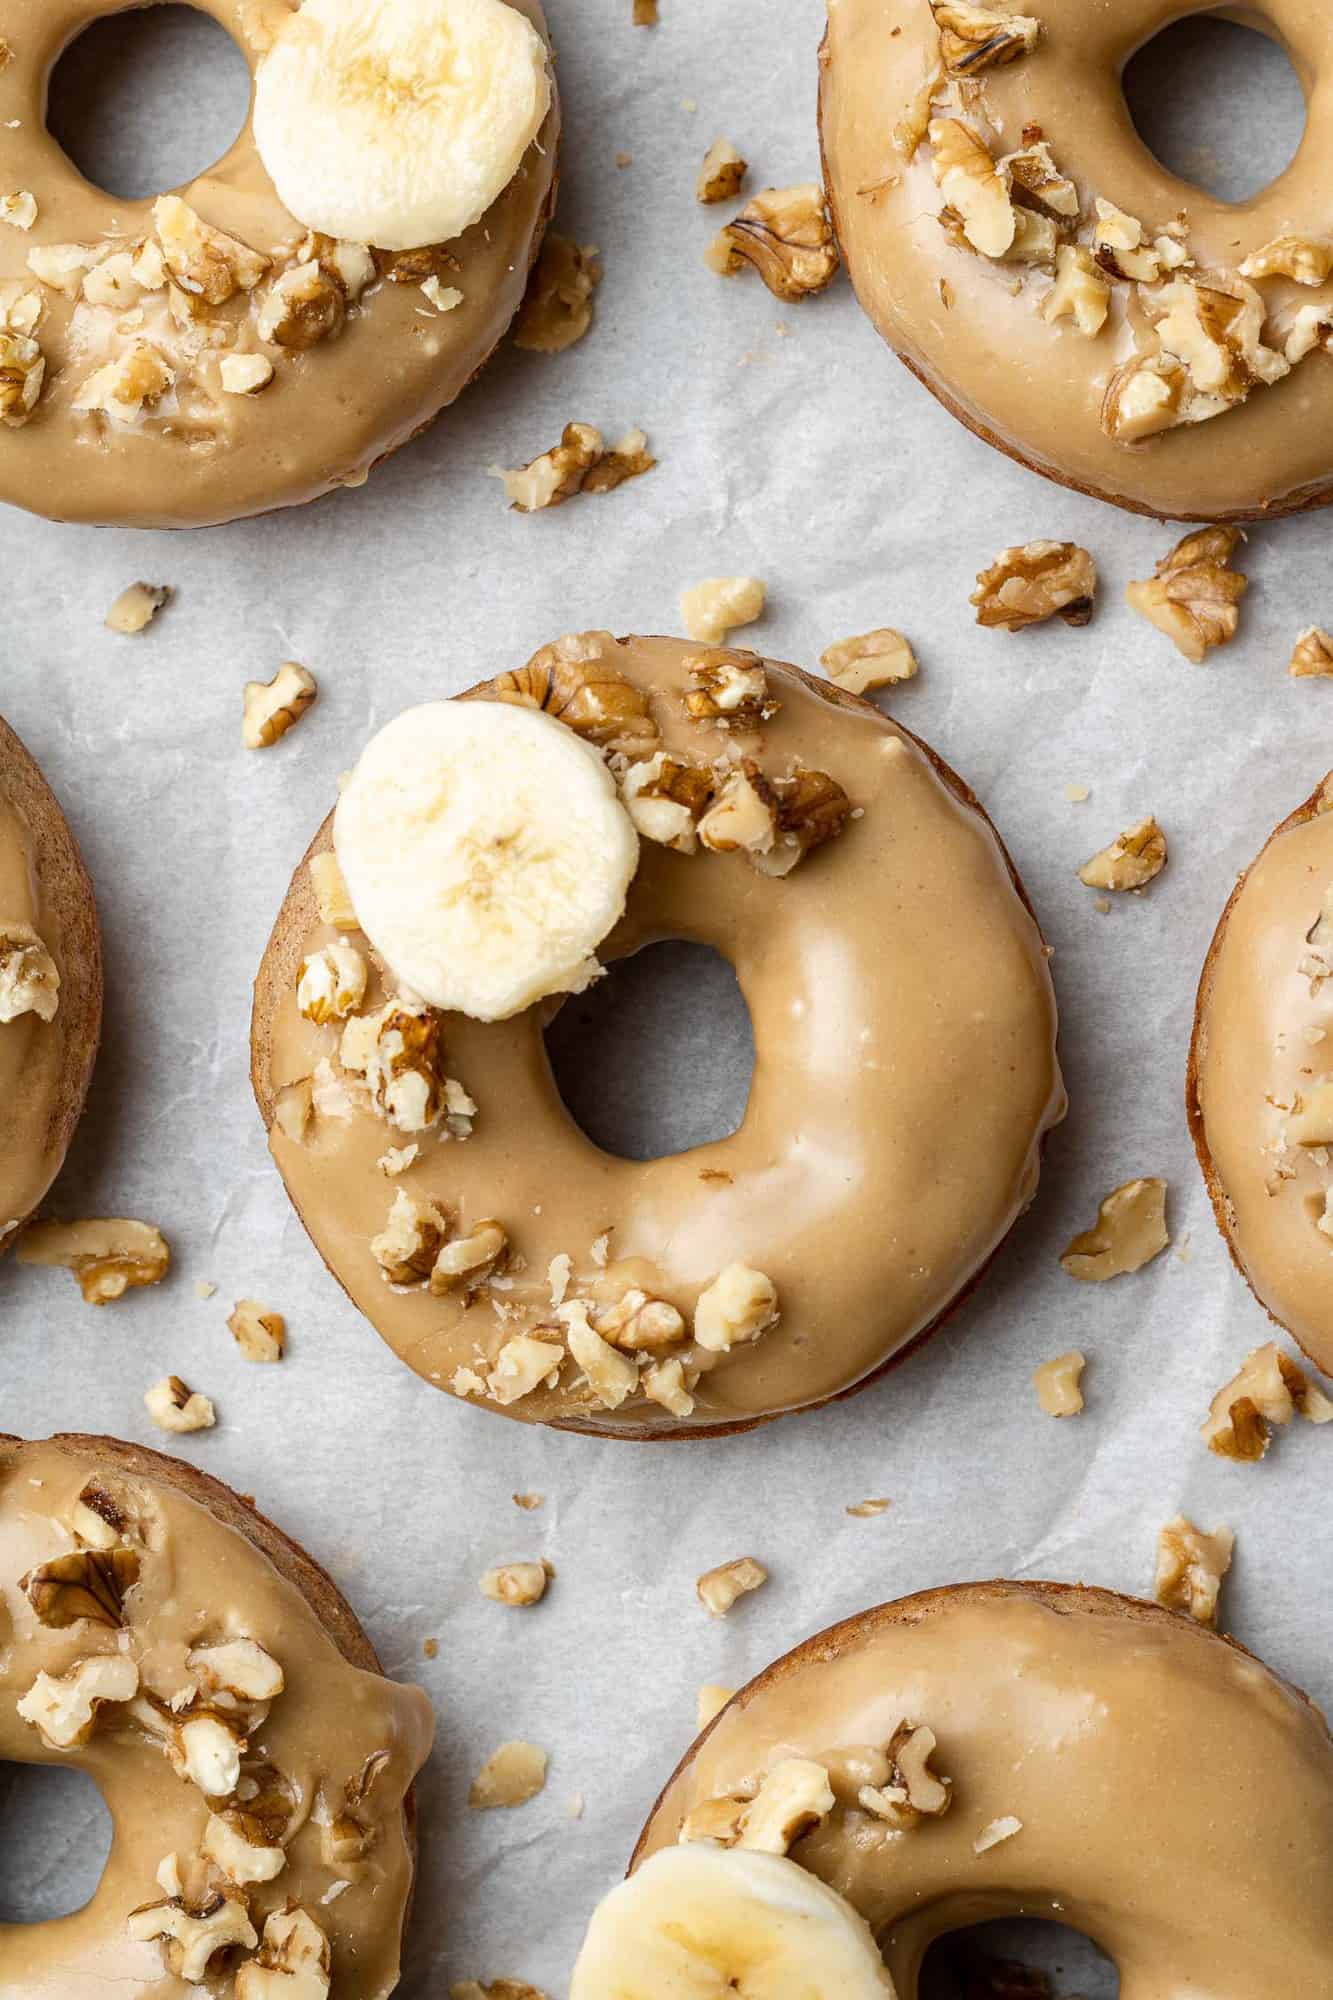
(137, 606)
(573, 680)
(729, 688)
(868, 1510)
(666, 799)
(975, 38)
(557, 309)
(639, 1323)
(626, 459)
(1190, 1568)
(1040, 580)
(1303, 259)
(203, 260)
(466, 1264)
(400, 1051)
(872, 660)
(63, 1709)
(237, 1845)
(710, 610)
(1080, 292)
(1268, 1391)
(332, 982)
(522, 1364)
(292, 1963)
(22, 372)
(792, 1798)
(1193, 594)
(331, 897)
(293, 1109)
(108, 1256)
(668, 1384)
(1129, 1232)
(100, 1518)
(720, 1588)
(739, 1305)
(786, 235)
(411, 1240)
(29, 976)
(1133, 859)
(512, 1775)
(1036, 181)
(812, 808)
(235, 1672)
(721, 174)
(914, 1791)
(259, 1332)
(580, 463)
(1210, 354)
(516, 1584)
(271, 707)
(1057, 1384)
(302, 306)
(244, 374)
(174, 1407)
(191, 1934)
(972, 187)
(1312, 655)
(1119, 246)
(19, 209)
(89, 1584)
(998, 1830)
(124, 388)
(612, 1377)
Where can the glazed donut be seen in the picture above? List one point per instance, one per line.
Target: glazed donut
(905, 1069)
(162, 1636)
(1260, 1086)
(989, 1750)
(215, 354)
(50, 985)
(1073, 303)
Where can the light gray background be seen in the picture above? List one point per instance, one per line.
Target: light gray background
(814, 461)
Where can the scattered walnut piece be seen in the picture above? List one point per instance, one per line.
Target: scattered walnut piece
(303, 306)
(124, 388)
(137, 606)
(1190, 1568)
(174, 1407)
(975, 38)
(669, 1384)
(293, 1962)
(259, 1332)
(557, 310)
(271, 707)
(1312, 655)
(465, 1264)
(511, 1776)
(63, 1709)
(293, 1109)
(574, 680)
(710, 1701)
(19, 210)
(710, 610)
(1036, 181)
(872, 660)
(521, 1366)
(998, 1830)
(578, 464)
(515, 1584)
(1129, 1232)
(331, 982)
(644, 13)
(400, 1051)
(793, 1797)
(913, 1791)
(1119, 246)
(22, 372)
(865, 1510)
(666, 799)
(29, 976)
(90, 1584)
(627, 459)
(529, 1502)
(1080, 292)
(1268, 1390)
(812, 808)
(109, 1255)
(331, 898)
(639, 1323)
(721, 174)
(1133, 859)
(611, 1375)
(190, 1933)
(729, 687)
(1057, 1384)
(719, 1588)
(410, 1241)
(1194, 595)
(1040, 580)
(786, 235)
(244, 374)
(972, 187)
(203, 260)
(739, 1305)
(1303, 259)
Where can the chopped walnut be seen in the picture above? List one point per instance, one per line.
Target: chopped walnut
(909, 131)
(63, 1709)
(293, 1109)
(720, 1588)
(22, 371)
(730, 688)
(19, 210)
(1119, 246)
(1190, 1568)
(237, 1845)
(715, 1821)
(259, 1332)
(1311, 1120)
(208, 1752)
(1129, 1232)
(966, 176)
(710, 1701)
(467, 1263)
(124, 388)
(670, 1385)
(1079, 293)
(332, 982)
(1135, 858)
(1312, 655)
(191, 1934)
(612, 1377)
(1210, 354)
(202, 259)
(271, 707)
(573, 680)
(913, 1790)
(137, 606)
(627, 458)
(174, 1407)
(516, 1584)
(1036, 181)
(235, 1672)
(302, 306)
(108, 1256)
(90, 1584)
(411, 1240)
(512, 1775)
(1269, 1390)
(444, 298)
(666, 799)
(1057, 1384)
(739, 1305)
(1040, 580)
(744, 814)
(977, 38)
(872, 660)
(721, 174)
(244, 374)
(792, 1798)
(868, 1510)
(786, 235)
(711, 610)
(557, 310)
(1193, 594)
(998, 1830)
(29, 976)
(331, 897)
(640, 1324)
(521, 1366)
(100, 1518)
(1312, 327)
(1303, 259)
(812, 808)
(557, 474)
(292, 1963)
(400, 1050)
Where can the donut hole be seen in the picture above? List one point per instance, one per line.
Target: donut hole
(1217, 104)
(971, 1962)
(658, 1056)
(145, 100)
(55, 1835)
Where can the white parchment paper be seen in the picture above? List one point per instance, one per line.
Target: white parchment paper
(793, 447)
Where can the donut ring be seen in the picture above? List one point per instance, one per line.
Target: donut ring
(896, 1116)
(198, 453)
(46, 903)
(1118, 1734)
(163, 1559)
(1234, 427)
(1257, 1057)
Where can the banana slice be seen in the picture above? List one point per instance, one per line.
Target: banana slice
(718, 1923)
(398, 122)
(486, 853)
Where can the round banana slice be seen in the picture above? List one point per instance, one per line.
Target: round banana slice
(726, 1923)
(398, 122)
(486, 853)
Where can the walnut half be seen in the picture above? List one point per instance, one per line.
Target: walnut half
(786, 235)
(1024, 586)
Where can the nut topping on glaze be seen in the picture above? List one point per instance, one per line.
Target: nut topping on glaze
(1119, 247)
(100, 1519)
(812, 809)
(1135, 858)
(666, 799)
(739, 1305)
(786, 235)
(1129, 1232)
(1190, 1568)
(743, 815)
(909, 1751)
(1036, 181)
(612, 1377)
(400, 1051)
(192, 1933)
(271, 707)
(640, 1324)
(1080, 292)
(292, 1962)
(1303, 259)
(721, 1588)
(22, 372)
(791, 1799)
(411, 1240)
(1025, 586)
(29, 980)
(972, 187)
(122, 390)
(204, 260)
(469, 1262)
(573, 681)
(522, 1365)
(89, 1585)
(1268, 1391)
(730, 689)
(331, 897)
(64, 1709)
(974, 38)
(1194, 595)
(332, 982)
(108, 1256)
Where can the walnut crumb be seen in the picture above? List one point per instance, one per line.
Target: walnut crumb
(644, 13)
(174, 1407)
(580, 463)
(271, 707)
(511, 1775)
(557, 310)
(515, 1584)
(259, 1332)
(1135, 858)
(1193, 594)
(529, 1502)
(1024, 586)
(137, 606)
(722, 173)
(244, 374)
(430, 1649)
(709, 611)
(1057, 1384)
(865, 1510)
(1129, 1232)
(870, 661)
(1190, 1568)
(1266, 1393)
(109, 1256)
(720, 1588)
(998, 1830)
(1312, 655)
(786, 235)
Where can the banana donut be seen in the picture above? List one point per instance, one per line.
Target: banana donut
(268, 332)
(1073, 303)
(162, 1636)
(987, 1750)
(1260, 1082)
(611, 794)
(50, 985)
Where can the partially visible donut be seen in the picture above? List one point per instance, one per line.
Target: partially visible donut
(50, 985)
(161, 1635)
(1072, 302)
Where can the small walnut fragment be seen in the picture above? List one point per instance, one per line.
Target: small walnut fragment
(125, 388)
(644, 13)
(872, 660)
(1193, 594)
(22, 372)
(868, 1510)
(729, 688)
(627, 459)
(1190, 1568)
(331, 897)
(1129, 1232)
(192, 1932)
(1080, 292)
(792, 1798)
(91, 1584)
(785, 233)
(293, 1962)
(973, 189)
(175, 1407)
(722, 173)
(1312, 655)
(580, 463)
(1133, 859)
(19, 209)
(521, 1366)
(137, 606)
(1304, 259)
(999, 1830)
(64, 1709)
(1058, 1384)
(709, 1702)
(303, 306)
(259, 1332)
(29, 976)
(612, 1377)
(512, 1775)
(516, 1584)
(812, 808)
(332, 982)
(739, 1305)
(719, 1589)
(468, 1262)
(1268, 1391)
(244, 374)
(975, 38)
(557, 310)
(913, 1791)
(1025, 586)
(202, 260)
(666, 799)
(271, 707)
(109, 1256)
(710, 610)
(410, 1241)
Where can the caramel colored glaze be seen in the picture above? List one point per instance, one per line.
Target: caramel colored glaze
(1263, 1038)
(1034, 389)
(905, 1075)
(330, 413)
(45, 1067)
(210, 1567)
(1176, 1796)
